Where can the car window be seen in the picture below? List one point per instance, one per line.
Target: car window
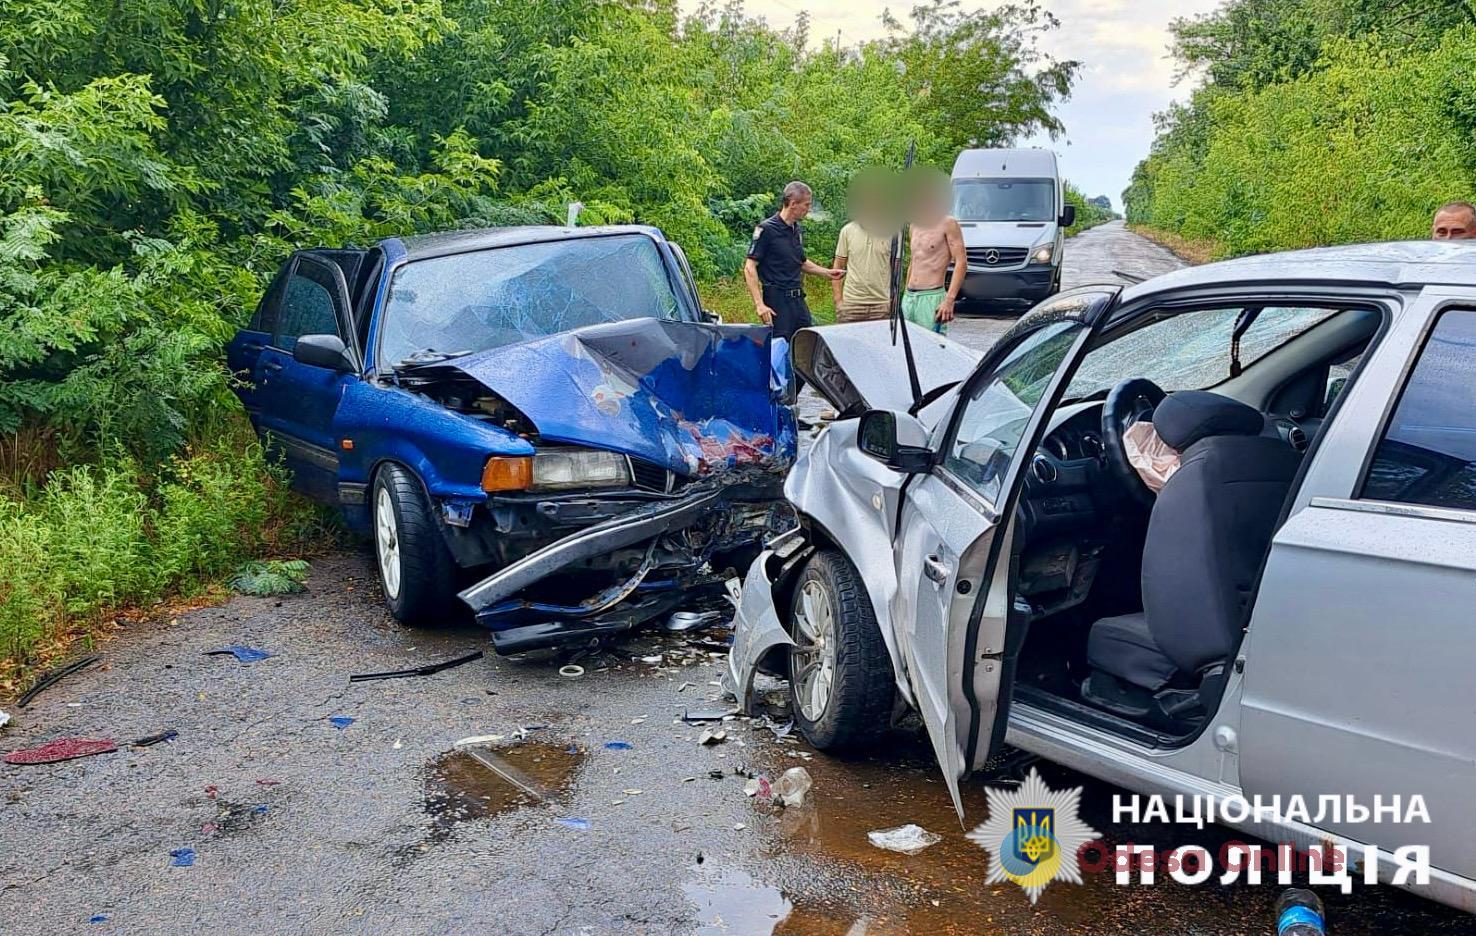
(490, 298)
(1427, 454)
(264, 319)
(307, 305)
(997, 412)
(1191, 350)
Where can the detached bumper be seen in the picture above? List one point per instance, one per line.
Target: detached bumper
(1030, 284)
(758, 632)
(675, 538)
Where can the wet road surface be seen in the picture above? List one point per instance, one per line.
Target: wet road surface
(585, 804)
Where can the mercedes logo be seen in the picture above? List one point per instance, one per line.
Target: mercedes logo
(991, 256)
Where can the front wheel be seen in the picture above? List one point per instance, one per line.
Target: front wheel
(841, 686)
(415, 567)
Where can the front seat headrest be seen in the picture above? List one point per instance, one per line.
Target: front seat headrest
(1186, 416)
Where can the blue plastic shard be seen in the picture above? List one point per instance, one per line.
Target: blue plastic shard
(242, 654)
(183, 857)
(617, 745)
(341, 721)
(580, 824)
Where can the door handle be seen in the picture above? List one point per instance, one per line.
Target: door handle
(936, 569)
(253, 346)
(271, 367)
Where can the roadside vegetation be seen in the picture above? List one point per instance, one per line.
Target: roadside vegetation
(1318, 122)
(158, 160)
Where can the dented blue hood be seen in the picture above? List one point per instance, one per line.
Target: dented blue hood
(692, 397)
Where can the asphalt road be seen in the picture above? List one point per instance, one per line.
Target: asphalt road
(616, 821)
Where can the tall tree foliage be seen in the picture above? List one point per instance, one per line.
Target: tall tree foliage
(1318, 122)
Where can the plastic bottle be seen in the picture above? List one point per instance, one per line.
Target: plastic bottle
(1299, 913)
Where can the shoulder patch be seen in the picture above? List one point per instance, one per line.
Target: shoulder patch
(758, 232)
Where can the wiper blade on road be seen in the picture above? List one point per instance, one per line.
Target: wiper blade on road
(428, 356)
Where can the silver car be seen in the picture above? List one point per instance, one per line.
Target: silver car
(1290, 615)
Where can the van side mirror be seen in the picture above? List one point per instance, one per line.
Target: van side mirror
(1068, 216)
(322, 351)
(897, 440)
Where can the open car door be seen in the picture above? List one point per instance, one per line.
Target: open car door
(959, 632)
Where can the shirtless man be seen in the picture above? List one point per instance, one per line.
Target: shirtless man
(937, 241)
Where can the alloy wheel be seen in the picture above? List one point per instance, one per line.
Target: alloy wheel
(815, 649)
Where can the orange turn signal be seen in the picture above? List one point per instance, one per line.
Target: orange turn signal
(507, 474)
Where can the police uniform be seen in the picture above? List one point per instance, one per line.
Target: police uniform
(779, 249)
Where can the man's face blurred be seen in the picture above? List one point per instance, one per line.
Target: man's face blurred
(1453, 224)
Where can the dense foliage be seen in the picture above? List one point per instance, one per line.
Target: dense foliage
(1319, 122)
(159, 158)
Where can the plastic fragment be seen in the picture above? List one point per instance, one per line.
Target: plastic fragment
(98, 918)
(580, 824)
(266, 782)
(50, 679)
(242, 654)
(156, 738)
(692, 620)
(4, 718)
(429, 669)
(618, 745)
(759, 787)
(908, 839)
(183, 857)
(480, 739)
(652, 659)
(62, 749)
(711, 736)
(792, 787)
(341, 721)
(571, 671)
(708, 714)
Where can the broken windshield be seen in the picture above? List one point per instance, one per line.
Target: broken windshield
(1191, 350)
(446, 306)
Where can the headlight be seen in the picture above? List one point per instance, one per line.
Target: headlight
(1043, 254)
(578, 468)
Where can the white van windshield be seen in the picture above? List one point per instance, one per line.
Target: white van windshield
(1004, 199)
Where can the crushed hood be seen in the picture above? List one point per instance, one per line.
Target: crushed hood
(858, 368)
(692, 397)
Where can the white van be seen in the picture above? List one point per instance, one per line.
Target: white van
(1012, 208)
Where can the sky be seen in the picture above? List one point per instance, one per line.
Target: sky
(1126, 74)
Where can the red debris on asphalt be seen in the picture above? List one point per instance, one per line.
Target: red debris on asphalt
(60, 750)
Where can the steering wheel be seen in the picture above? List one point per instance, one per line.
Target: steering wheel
(1132, 400)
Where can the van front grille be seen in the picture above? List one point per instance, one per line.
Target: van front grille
(997, 256)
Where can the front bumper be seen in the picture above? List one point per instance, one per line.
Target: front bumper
(1028, 284)
(667, 545)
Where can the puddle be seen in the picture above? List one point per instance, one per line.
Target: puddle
(479, 783)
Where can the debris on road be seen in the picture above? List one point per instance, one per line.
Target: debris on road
(709, 714)
(692, 620)
(758, 786)
(50, 679)
(428, 670)
(272, 578)
(242, 654)
(792, 786)
(156, 738)
(908, 839)
(618, 745)
(63, 749)
(580, 824)
(4, 718)
(479, 739)
(711, 736)
(183, 857)
(571, 671)
(341, 721)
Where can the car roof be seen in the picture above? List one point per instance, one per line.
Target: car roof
(1004, 163)
(1397, 264)
(422, 246)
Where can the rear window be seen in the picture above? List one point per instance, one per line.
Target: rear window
(1427, 454)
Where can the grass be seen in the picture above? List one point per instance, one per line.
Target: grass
(729, 298)
(1190, 250)
(96, 542)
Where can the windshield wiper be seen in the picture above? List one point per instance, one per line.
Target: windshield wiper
(428, 356)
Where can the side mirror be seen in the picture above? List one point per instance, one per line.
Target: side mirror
(711, 317)
(896, 440)
(1068, 216)
(322, 351)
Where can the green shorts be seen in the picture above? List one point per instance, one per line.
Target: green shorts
(920, 306)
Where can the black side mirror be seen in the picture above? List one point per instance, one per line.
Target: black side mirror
(322, 351)
(877, 436)
(1068, 216)
(711, 317)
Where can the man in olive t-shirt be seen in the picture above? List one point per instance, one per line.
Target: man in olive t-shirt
(864, 251)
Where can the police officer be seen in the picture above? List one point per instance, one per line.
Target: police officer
(776, 261)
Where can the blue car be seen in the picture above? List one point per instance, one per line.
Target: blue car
(539, 421)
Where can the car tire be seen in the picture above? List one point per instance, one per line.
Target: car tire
(849, 662)
(416, 570)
